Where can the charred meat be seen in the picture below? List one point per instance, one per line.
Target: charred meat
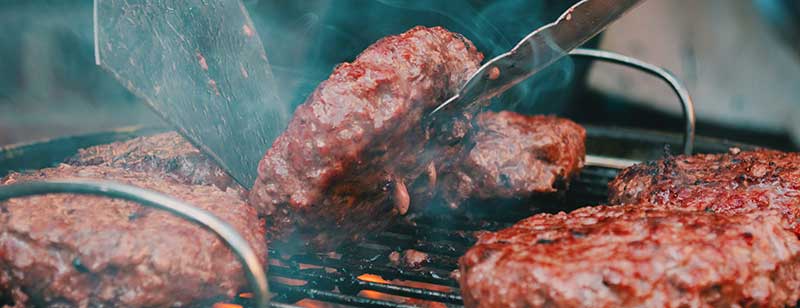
(734, 182)
(635, 256)
(65, 250)
(514, 156)
(341, 168)
(166, 153)
(409, 258)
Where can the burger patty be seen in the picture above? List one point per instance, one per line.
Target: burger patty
(635, 255)
(515, 156)
(166, 153)
(738, 181)
(341, 168)
(65, 250)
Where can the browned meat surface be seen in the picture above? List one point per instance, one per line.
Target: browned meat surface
(514, 156)
(341, 168)
(738, 181)
(410, 258)
(635, 256)
(66, 250)
(167, 153)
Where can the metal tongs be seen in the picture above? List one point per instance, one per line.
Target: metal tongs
(538, 50)
(202, 67)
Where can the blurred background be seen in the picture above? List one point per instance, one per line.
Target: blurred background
(739, 58)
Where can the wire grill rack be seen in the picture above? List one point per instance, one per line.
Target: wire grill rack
(364, 274)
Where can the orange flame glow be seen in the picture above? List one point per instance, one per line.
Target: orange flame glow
(310, 303)
(372, 278)
(223, 305)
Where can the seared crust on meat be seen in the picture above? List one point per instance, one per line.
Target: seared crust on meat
(635, 255)
(69, 250)
(333, 174)
(739, 181)
(167, 153)
(515, 156)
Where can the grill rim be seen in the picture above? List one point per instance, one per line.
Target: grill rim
(50, 152)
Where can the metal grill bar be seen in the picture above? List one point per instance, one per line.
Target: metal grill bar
(335, 279)
(332, 297)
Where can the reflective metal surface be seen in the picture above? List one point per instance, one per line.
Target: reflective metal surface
(202, 67)
(539, 49)
(677, 86)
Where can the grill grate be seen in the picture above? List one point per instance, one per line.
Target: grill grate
(362, 275)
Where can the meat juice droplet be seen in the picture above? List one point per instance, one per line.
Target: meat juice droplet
(247, 30)
(213, 84)
(401, 198)
(202, 61)
(494, 73)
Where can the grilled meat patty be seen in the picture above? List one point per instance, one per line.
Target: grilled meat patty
(635, 255)
(166, 153)
(738, 181)
(64, 250)
(340, 169)
(514, 156)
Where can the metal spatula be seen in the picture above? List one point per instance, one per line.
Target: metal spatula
(202, 67)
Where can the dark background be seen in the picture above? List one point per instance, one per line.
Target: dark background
(49, 85)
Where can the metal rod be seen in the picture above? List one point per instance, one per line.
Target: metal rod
(322, 283)
(253, 269)
(609, 162)
(677, 86)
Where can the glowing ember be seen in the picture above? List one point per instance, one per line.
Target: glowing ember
(401, 299)
(310, 303)
(223, 305)
(378, 295)
(290, 281)
(372, 278)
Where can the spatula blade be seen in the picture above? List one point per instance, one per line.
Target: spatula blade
(202, 67)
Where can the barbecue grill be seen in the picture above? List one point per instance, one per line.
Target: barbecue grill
(362, 274)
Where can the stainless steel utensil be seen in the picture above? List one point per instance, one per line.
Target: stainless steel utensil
(537, 50)
(202, 67)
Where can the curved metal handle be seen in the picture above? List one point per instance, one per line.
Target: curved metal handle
(253, 269)
(663, 74)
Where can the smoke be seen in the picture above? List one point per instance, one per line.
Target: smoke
(306, 40)
(49, 85)
(47, 74)
(465, 16)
